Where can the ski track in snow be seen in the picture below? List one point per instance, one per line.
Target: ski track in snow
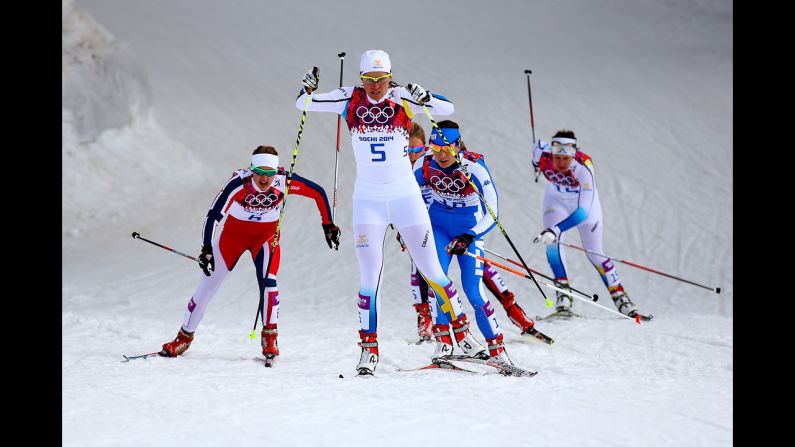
(646, 85)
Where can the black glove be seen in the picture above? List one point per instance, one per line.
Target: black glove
(459, 245)
(418, 93)
(332, 233)
(206, 260)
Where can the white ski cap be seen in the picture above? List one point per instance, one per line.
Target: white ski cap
(375, 60)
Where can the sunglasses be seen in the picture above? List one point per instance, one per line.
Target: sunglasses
(563, 149)
(369, 80)
(417, 149)
(453, 148)
(265, 172)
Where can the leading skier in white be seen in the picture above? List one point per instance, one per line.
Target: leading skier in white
(378, 115)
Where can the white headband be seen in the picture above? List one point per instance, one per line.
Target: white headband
(269, 160)
(564, 150)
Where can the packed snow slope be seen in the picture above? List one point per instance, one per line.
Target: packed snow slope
(163, 100)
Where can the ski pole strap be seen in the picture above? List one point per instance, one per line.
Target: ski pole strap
(464, 327)
(437, 333)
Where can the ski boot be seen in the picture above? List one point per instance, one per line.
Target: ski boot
(515, 312)
(444, 343)
(423, 321)
(564, 301)
(270, 347)
(180, 344)
(497, 350)
(369, 359)
(465, 340)
(624, 305)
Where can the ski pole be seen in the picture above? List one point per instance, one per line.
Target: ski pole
(567, 292)
(532, 120)
(517, 272)
(595, 296)
(482, 199)
(337, 155)
(261, 306)
(716, 289)
(138, 236)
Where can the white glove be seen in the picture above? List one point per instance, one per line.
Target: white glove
(547, 236)
(418, 93)
(311, 79)
(540, 145)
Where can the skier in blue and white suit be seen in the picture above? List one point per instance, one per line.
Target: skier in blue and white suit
(460, 220)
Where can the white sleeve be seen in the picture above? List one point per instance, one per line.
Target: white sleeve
(481, 177)
(437, 105)
(333, 101)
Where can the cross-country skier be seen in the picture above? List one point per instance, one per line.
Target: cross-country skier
(459, 223)
(379, 115)
(491, 277)
(571, 201)
(250, 200)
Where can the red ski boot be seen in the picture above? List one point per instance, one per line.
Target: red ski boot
(424, 321)
(369, 359)
(179, 345)
(497, 350)
(515, 312)
(270, 347)
(465, 340)
(444, 343)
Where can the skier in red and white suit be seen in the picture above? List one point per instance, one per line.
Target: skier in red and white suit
(379, 115)
(571, 200)
(251, 200)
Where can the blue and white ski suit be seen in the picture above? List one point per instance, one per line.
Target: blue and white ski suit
(456, 209)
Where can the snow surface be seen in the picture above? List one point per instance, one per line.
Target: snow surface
(163, 100)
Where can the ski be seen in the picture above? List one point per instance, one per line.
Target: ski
(643, 317)
(559, 314)
(440, 365)
(127, 358)
(533, 332)
(505, 369)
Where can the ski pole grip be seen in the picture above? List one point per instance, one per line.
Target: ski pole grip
(135, 235)
(528, 71)
(341, 54)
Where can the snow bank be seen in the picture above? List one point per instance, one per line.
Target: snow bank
(112, 145)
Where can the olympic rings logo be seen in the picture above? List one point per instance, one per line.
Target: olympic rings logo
(447, 184)
(261, 200)
(375, 114)
(559, 178)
